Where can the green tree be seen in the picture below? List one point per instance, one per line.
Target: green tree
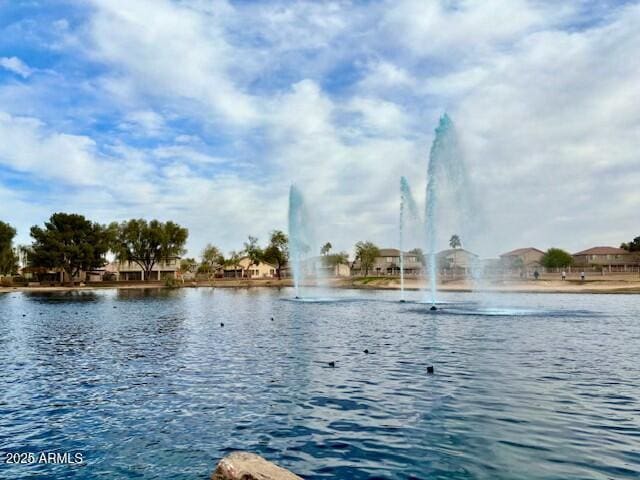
(326, 248)
(335, 259)
(556, 258)
(277, 252)
(253, 251)
(212, 259)
(366, 253)
(518, 264)
(233, 261)
(455, 242)
(188, 265)
(632, 246)
(149, 243)
(70, 242)
(8, 257)
(419, 254)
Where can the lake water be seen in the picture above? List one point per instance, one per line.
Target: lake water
(147, 384)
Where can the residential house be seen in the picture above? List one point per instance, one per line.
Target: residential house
(318, 267)
(57, 275)
(43, 274)
(131, 271)
(522, 259)
(388, 263)
(610, 259)
(246, 269)
(457, 260)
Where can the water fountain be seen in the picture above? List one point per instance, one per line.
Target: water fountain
(407, 206)
(299, 244)
(304, 246)
(447, 178)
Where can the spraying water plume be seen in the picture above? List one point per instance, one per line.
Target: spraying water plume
(407, 206)
(447, 177)
(299, 235)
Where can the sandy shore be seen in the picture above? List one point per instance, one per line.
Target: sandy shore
(612, 285)
(620, 284)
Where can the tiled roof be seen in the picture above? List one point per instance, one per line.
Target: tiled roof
(521, 251)
(449, 251)
(602, 251)
(392, 252)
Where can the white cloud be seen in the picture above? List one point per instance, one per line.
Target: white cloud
(126, 182)
(464, 28)
(146, 122)
(170, 51)
(349, 176)
(383, 75)
(184, 153)
(379, 116)
(230, 103)
(15, 65)
(553, 133)
(26, 146)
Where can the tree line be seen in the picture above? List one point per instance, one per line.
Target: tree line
(275, 253)
(72, 243)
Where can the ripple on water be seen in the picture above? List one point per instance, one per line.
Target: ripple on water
(154, 388)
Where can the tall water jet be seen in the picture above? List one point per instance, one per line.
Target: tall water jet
(407, 206)
(296, 220)
(445, 170)
(301, 236)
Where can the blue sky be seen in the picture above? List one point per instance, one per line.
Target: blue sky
(205, 112)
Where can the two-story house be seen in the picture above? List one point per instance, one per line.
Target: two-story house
(388, 263)
(522, 258)
(611, 259)
(131, 271)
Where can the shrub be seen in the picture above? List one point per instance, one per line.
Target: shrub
(170, 282)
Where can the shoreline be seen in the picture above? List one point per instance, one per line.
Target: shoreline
(609, 286)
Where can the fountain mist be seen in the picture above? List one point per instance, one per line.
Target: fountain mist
(446, 177)
(303, 244)
(407, 206)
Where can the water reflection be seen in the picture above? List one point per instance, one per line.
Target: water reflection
(149, 385)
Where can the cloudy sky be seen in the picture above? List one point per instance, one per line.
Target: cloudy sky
(205, 112)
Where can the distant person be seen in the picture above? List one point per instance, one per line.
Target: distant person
(536, 274)
(564, 275)
(582, 276)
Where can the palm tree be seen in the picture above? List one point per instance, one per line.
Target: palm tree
(455, 242)
(326, 248)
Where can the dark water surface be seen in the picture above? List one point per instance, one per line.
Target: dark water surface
(148, 385)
